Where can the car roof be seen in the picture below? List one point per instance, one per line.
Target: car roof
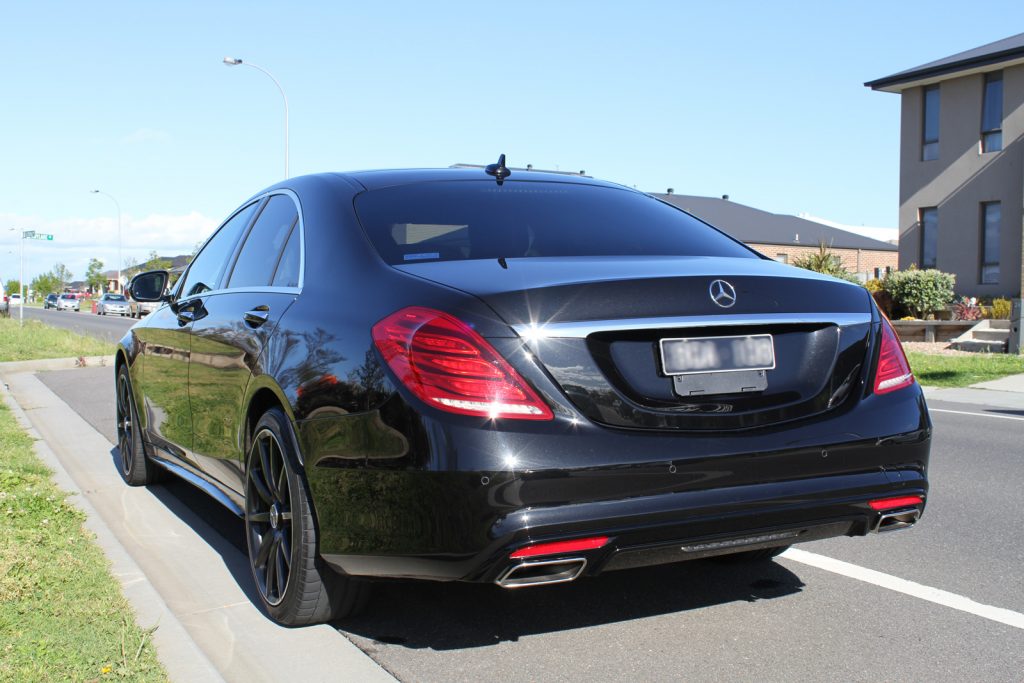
(377, 179)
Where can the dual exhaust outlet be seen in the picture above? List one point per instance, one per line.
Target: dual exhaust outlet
(530, 572)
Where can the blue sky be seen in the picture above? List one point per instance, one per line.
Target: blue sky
(761, 101)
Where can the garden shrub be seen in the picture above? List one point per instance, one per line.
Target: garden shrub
(1001, 309)
(966, 308)
(921, 291)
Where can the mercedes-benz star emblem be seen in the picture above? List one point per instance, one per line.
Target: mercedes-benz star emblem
(722, 293)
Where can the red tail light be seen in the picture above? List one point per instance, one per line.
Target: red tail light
(893, 503)
(893, 369)
(451, 367)
(559, 547)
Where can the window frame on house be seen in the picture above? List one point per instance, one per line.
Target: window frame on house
(930, 143)
(988, 269)
(921, 219)
(992, 113)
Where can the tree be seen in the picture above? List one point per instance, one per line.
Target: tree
(45, 283)
(63, 275)
(826, 263)
(94, 275)
(156, 262)
(12, 287)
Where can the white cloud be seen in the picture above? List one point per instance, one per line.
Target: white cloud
(76, 240)
(143, 135)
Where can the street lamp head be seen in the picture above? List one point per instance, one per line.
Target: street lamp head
(232, 61)
(94, 191)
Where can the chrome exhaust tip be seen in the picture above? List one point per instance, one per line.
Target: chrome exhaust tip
(538, 572)
(896, 520)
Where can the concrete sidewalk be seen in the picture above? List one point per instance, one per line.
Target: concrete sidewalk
(1006, 392)
(171, 567)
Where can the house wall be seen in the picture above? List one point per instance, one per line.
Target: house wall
(961, 179)
(854, 260)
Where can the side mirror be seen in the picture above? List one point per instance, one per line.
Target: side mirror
(149, 286)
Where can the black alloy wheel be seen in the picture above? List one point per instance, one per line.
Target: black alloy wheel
(135, 468)
(295, 585)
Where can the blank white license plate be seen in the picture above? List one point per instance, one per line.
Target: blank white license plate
(717, 354)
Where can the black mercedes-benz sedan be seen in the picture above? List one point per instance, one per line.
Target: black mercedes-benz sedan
(510, 377)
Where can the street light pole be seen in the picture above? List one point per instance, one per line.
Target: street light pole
(235, 61)
(119, 259)
(21, 282)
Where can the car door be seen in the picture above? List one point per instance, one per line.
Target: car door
(235, 326)
(166, 345)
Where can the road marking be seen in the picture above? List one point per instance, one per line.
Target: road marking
(962, 412)
(917, 590)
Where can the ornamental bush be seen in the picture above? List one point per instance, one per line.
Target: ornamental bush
(826, 263)
(1001, 309)
(921, 291)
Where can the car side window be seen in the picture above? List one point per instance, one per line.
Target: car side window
(207, 269)
(264, 244)
(287, 274)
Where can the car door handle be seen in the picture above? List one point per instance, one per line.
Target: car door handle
(257, 316)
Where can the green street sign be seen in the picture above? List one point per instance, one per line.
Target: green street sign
(40, 236)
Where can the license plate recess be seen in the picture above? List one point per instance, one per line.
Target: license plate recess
(718, 365)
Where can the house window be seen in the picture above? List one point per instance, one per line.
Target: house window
(992, 113)
(782, 258)
(930, 124)
(991, 212)
(929, 219)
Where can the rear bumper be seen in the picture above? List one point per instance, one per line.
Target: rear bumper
(444, 540)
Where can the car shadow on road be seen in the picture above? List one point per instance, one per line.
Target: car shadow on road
(448, 616)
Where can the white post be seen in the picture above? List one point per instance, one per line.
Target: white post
(21, 309)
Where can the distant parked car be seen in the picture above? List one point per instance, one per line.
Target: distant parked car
(50, 302)
(112, 303)
(67, 302)
(140, 309)
(15, 299)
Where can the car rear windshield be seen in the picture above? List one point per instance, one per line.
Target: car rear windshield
(462, 220)
(115, 297)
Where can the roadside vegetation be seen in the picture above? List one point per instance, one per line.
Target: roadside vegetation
(35, 341)
(962, 370)
(62, 616)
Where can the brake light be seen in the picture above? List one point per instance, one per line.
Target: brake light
(893, 503)
(893, 369)
(559, 547)
(449, 366)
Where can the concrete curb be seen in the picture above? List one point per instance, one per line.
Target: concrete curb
(11, 367)
(193, 583)
(175, 649)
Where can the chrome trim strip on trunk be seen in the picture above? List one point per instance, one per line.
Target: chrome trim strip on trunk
(585, 328)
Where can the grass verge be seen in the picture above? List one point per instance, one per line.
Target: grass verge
(62, 615)
(36, 341)
(961, 371)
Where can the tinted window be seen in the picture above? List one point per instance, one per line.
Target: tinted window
(447, 221)
(287, 274)
(114, 297)
(930, 128)
(992, 113)
(262, 249)
(991, 215)
(207, 269)
(929, 237)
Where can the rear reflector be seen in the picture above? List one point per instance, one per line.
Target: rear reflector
(893, 369)
(893, 503)
(559, 547)
(451, 367)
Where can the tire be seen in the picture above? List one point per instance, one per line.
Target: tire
(136, 469)
(751, 556)
(294, 583)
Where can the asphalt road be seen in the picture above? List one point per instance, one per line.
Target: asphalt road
(780, 621)
(107, 327)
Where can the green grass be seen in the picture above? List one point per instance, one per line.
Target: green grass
(62, 615)
(36, 340)
(961, 371)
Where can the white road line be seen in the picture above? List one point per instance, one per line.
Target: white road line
(917, 590)
(962, 412)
